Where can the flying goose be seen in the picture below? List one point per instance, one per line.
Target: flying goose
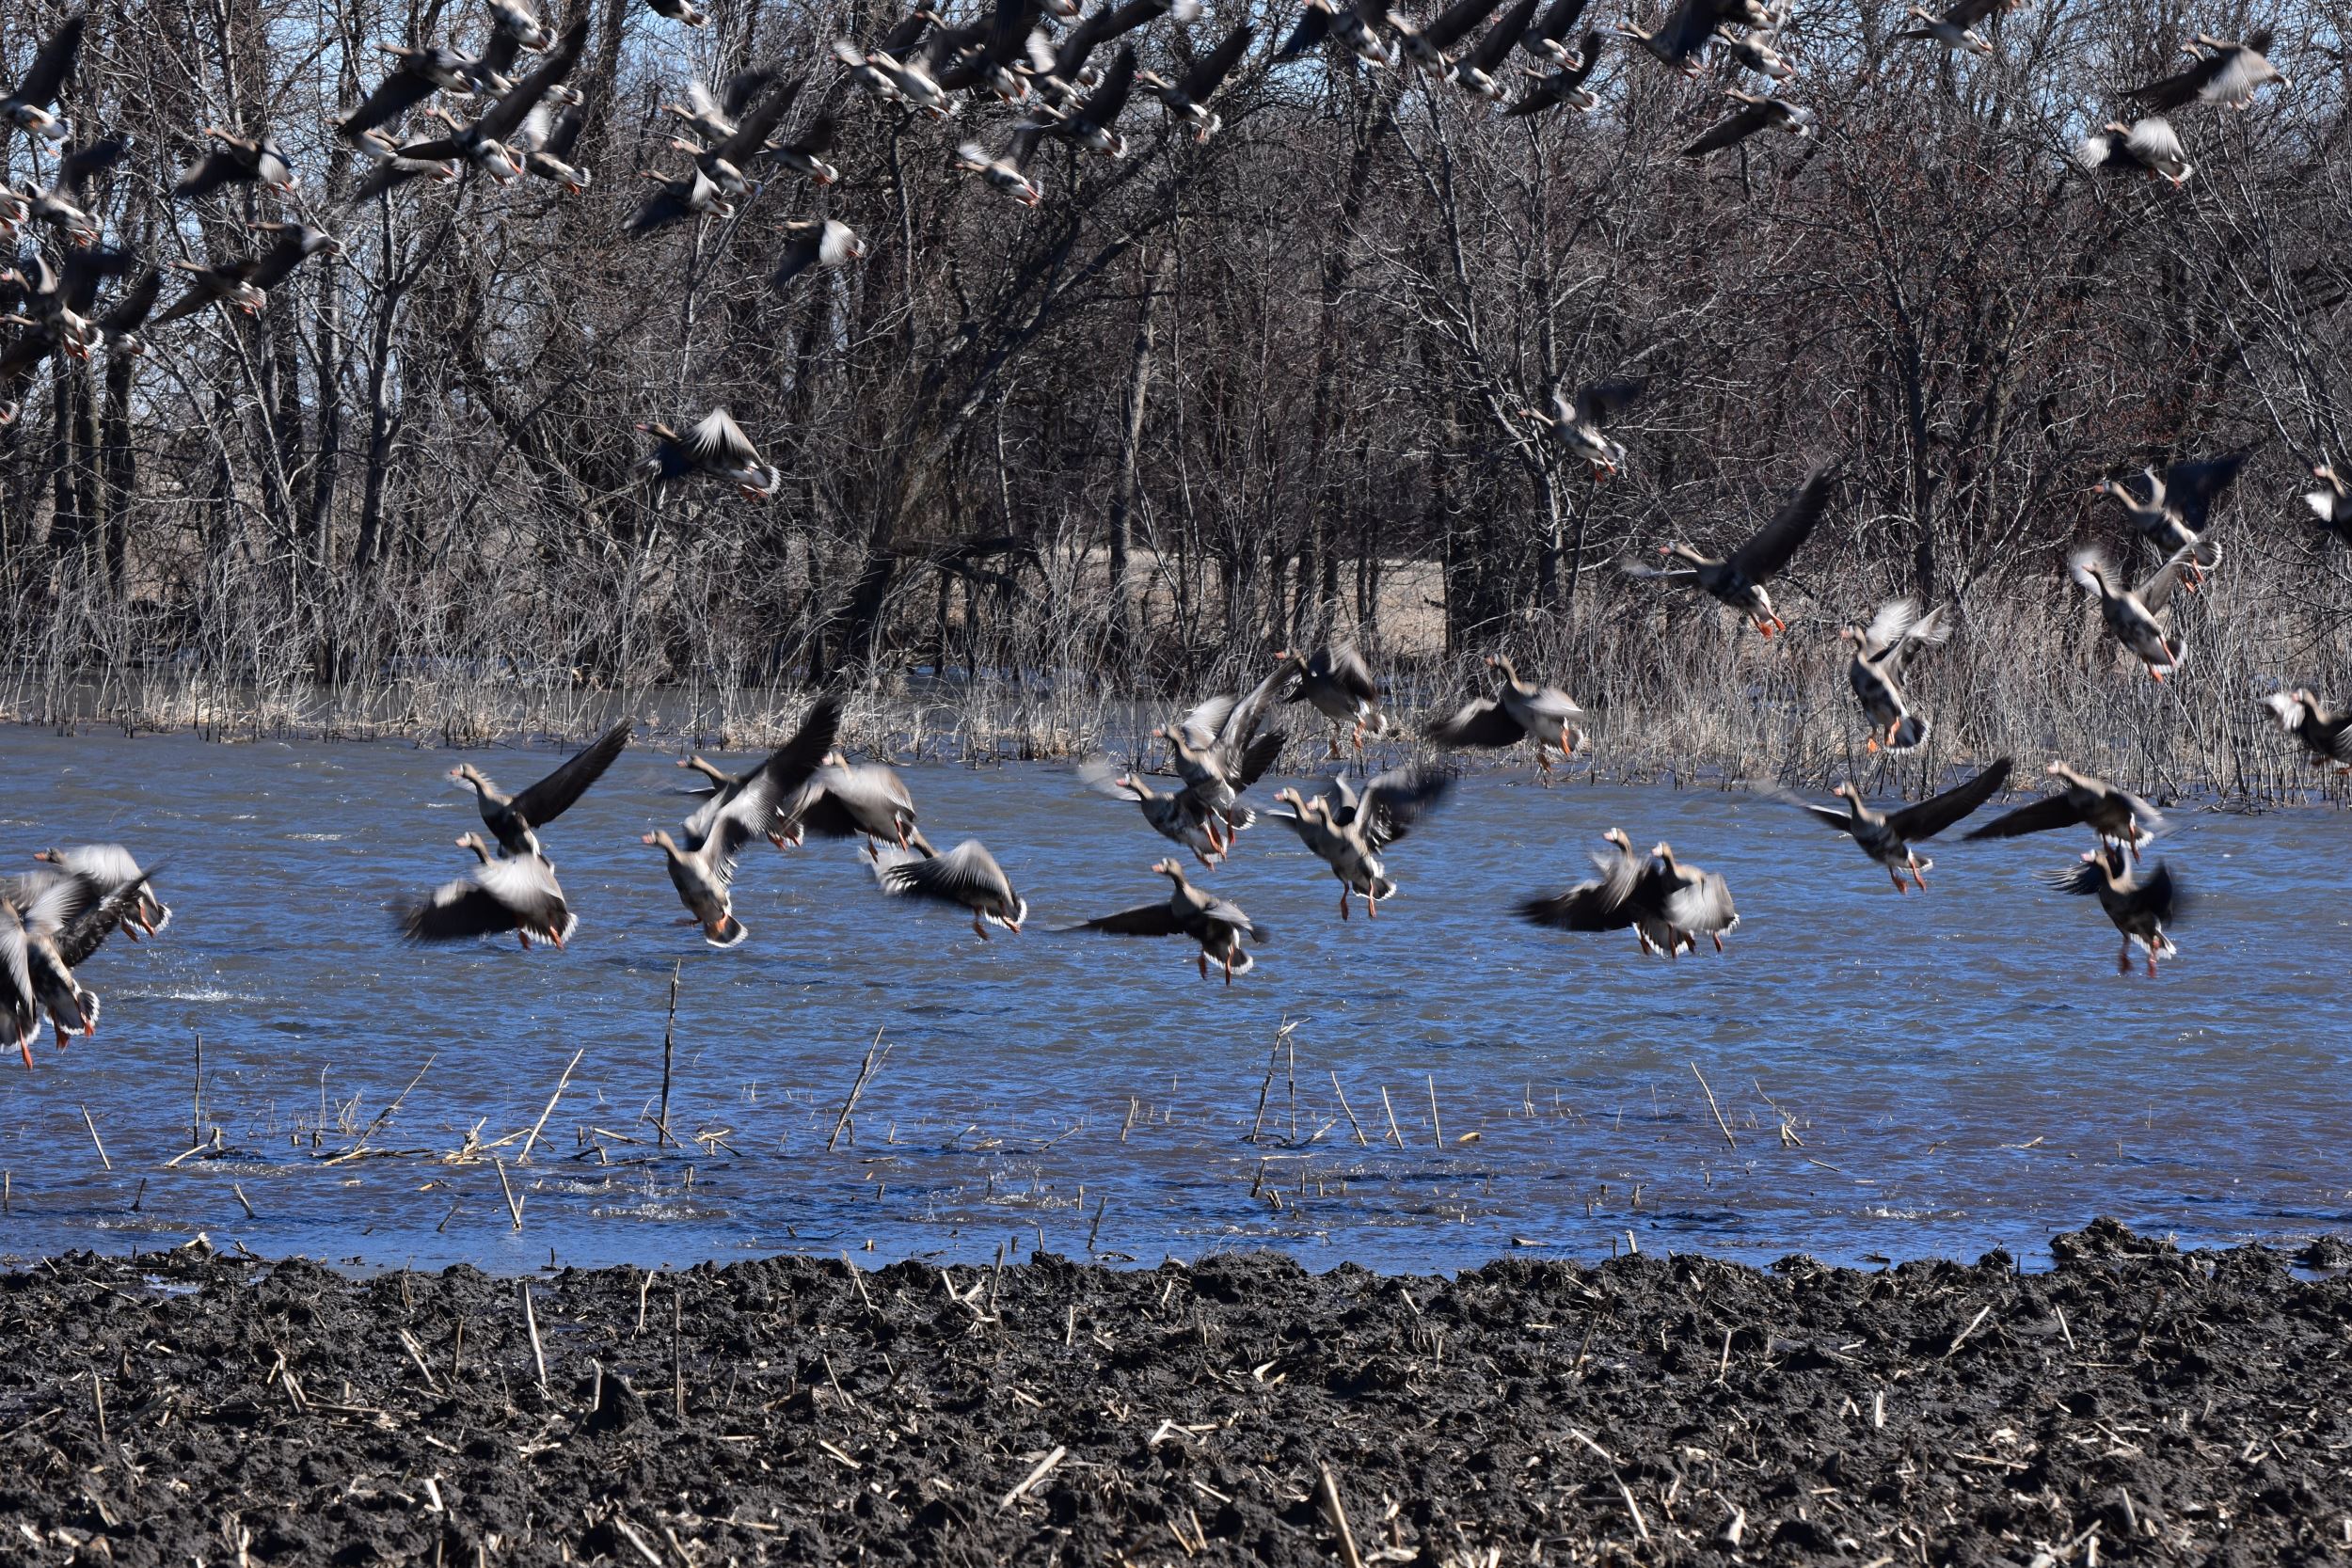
(1955, 28)
(417, 75)
(826, 243)
(1174, 814)
(1578, 421)
(1668, 905)
(546, 142)
(2139, 906)
(1218, 753)
(967, 876)
(114, 872)
(1889, 837)
(1677, 41)
(517, 22)
(59, 203)
(684, 11)
(30, 105)
(1008, 174)
(2117, 816)
(893, 73)
(805, 154)
(1357, 24)
(988, 59)
(727, 157)
(515, 820)
(2141, 617)
(1520, 710)
(1547, 38)
(2176, 514)
(1739, 578)
(1430, 46)
(243, 284)
(693, 195)
(2333, 505)
(48, 926)
(2227, 74)
(520, 895)
(2149, 146)
(1352, 860)
(702, 869)
(1756, 52)
(1218, 924)
(237, 160)
(1754, 114)
(1089, 125)
(1564, 85)
(1477, 71)
(484, 142)
(2327, 737)
(1338, 685)
(392, 170)
(1186, 98)
(1882, 652)
(846, 799)
(717, 446)
(1347, 832)
(713, 117)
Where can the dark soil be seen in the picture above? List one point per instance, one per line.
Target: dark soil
(2135, 1405)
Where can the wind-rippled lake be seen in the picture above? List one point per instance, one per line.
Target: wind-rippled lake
(1938, 1074)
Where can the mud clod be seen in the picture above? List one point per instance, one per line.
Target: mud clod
(2177, 1407)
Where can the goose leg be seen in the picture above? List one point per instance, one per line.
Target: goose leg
(1916, 867)
(1204, 963)
(2123, 960)
(24, 1045)
(1896, 872)
(1719, 939)
(1871, 744)
(1344, 900)
(523, 937)
(62, 1036)
(1894, 730)
(1229, 964)
(1372, 906)
(2155, 674)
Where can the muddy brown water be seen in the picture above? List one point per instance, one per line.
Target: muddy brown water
(1931, 1075)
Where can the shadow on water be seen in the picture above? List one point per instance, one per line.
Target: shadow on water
(1894, 1076)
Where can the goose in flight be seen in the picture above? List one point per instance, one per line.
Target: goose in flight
(1218, 924)
(2117, 816)
(2227, 74)
(1520, 710)
(1882, 652)
(967, 876)
(519, 895)
(515, 820)
(2141, 617)
(702, 866)
(2141, 908)
(1738, 579)
(1890, 837)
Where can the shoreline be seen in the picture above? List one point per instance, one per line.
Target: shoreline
(2165, 1406)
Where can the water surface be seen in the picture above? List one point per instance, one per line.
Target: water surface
(1943, 1073)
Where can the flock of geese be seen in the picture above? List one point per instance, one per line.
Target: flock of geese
(1039, 57)
(53, 920)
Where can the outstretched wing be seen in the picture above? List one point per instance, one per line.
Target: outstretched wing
(1480, 722)
(2044, 815)
(1145, 919)
(1791, 527)
(554, 795)
(1396, 800)
(1935, 814)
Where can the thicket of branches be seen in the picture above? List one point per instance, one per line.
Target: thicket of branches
(1274, 386)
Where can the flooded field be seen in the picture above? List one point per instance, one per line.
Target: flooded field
(1861, 1075)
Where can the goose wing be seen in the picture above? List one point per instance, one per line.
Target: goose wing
(1144, 920)
(967, 875)
(1930, 816)
(1395, 801)
(1791, 527)
(1702, 903)
(505, 116)
(53, 65)
(762, 801)
(2191, 488)
(1731, 130)
(1480, 722)
(718, 440)
(551, 797)
(1599, 905)
(1209, 72)
(2044, 815)
(2156, 591)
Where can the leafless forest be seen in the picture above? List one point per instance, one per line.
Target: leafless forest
(1204, 401)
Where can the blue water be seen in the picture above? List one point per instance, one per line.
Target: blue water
(1954, 1072)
